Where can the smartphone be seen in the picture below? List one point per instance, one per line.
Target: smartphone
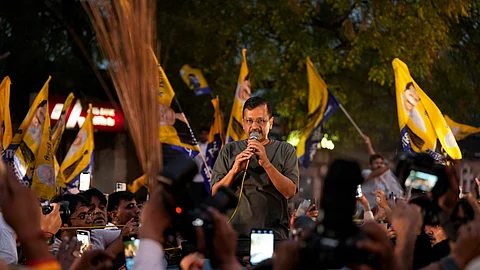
(358, 192)
(120, 186)
(302, 208)
(84, 238)
(84, 181)
(261, 245)
(130, 245)
(421, 181)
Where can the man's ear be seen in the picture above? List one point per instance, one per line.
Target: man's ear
(113, 215)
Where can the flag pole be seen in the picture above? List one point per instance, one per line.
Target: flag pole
(351, 120)
(193, 137)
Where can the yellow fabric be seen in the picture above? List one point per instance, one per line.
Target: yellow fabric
(32, 146)
(57, 132)
(79, 155)
(421, 116)
(137, 184)
(217, 127)
(235, 128)
(317, 102)
(5, 119)
(167, 132)
(186, 70)
(461, 131)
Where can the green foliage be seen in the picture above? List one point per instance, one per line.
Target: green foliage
(352, 43)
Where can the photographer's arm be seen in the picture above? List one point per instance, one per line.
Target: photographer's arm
(377, 173)
(155, 220)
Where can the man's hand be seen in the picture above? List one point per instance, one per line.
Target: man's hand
(155, 217)
(193, 261)
(130, 228)
(467, 246)
(378, 244)
(381, 199)
(68, 252)
(367, 140)
(259, 151)
(52, 222)
(19, 207)
(363, 201)
(406, 219)
(93, 260)
(224, 240)
(241, 161)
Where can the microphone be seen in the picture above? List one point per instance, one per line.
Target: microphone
(254, 135)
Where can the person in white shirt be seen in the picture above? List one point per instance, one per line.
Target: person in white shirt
(8, 245)
(202, 143)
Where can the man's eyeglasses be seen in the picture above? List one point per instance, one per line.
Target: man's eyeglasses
(83, 215)
(259, 121)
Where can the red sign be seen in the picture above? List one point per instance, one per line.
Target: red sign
(105, 117)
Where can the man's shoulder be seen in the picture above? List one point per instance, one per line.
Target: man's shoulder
(282, 144)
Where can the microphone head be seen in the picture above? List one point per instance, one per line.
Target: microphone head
(254, 135)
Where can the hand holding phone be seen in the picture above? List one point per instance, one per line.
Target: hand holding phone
(131, 245)
(261, 245)
(358, 193)
(302, 208)
(83, 237)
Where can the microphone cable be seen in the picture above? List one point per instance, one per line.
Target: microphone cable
(241, 192)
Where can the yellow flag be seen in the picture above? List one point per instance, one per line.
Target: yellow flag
(57, 132)
(59, 128)
(79, 156)
(461, 131)
(421, 122)
(33, 136)
(242, 93)
(5, 120)
(173, 127)
(321, 105)
(193, 77)
(137, 184)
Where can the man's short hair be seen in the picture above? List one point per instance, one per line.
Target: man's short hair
(205, 129)
(74, 201)
(93, 192)
(374, 157)
(409, 85)
(255, 102)
(116, 198)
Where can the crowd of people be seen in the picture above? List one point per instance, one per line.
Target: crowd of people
(90, 230)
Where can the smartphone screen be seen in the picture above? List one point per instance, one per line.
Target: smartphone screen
(302, 208)
(84, 181)
(358, 192)
(421, 180)
(84, 238)
(120, 186)
(261, 245)
(130, 245)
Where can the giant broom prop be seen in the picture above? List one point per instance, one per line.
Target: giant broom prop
(126, 30)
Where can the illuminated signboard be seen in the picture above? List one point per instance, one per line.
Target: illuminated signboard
(105, 117)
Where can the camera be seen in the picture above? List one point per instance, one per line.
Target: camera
(64, 211)
(177, 179)
(424, 181)
(331, 243)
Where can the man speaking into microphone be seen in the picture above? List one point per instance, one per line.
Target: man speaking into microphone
(267, 168)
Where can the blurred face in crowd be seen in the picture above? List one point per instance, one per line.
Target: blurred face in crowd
(377, 164)
(98, 211)
(203, 136)
(126, 211)
(257, 120)
(81, 217)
